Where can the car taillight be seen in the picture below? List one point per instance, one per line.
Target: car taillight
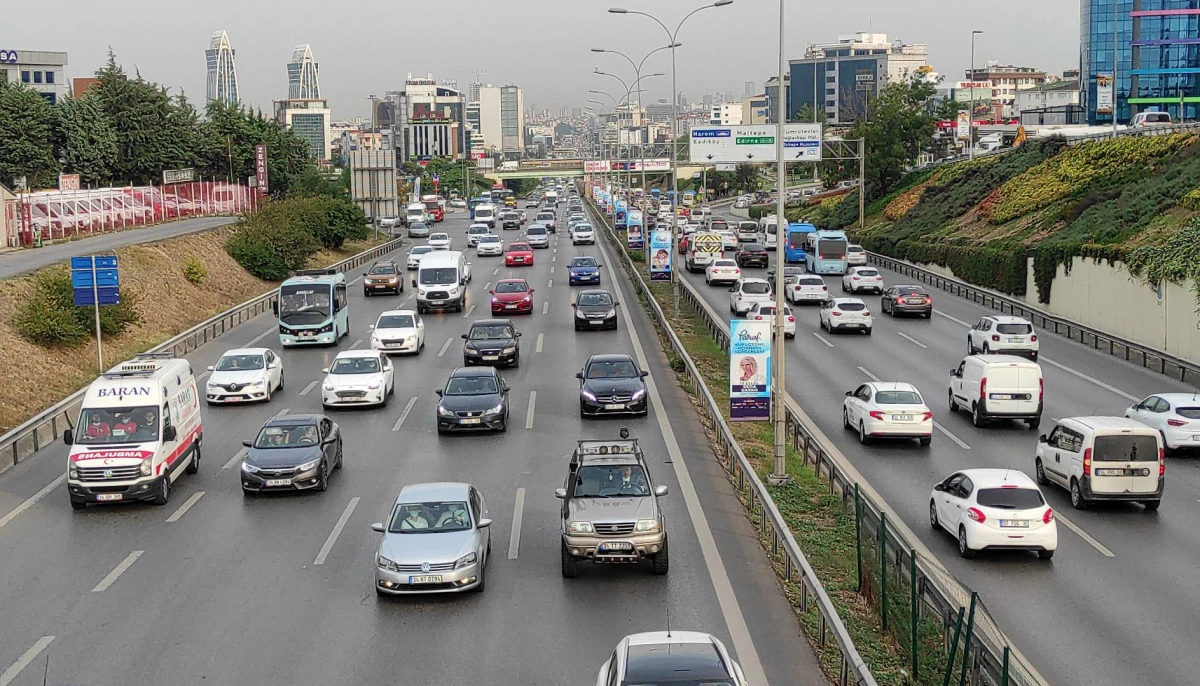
(995, 338)
(854, 278)
(791, 318)
(982, 388)
(976, 514)
(876, 414)
(836, 313)
(926, 416)
(824, 288)
(1047, 516)
(1162, 461)
(900, 300)
(928, 301)
(758, 317)
(1087, 461)
(1176, 422)
(1033, 338)
(866, 313)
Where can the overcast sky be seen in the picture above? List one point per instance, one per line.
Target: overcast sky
(544, 47)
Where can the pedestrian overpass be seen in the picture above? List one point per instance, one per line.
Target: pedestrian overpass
(536, 169)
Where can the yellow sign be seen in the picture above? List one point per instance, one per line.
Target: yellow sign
(709, 242)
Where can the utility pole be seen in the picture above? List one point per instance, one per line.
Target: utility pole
(779, 473)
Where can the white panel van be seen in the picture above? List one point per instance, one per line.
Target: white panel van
(1103, 458)
(995, 387)
(441, 281)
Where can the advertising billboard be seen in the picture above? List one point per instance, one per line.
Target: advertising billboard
(660, 255)
(749, 370)
(1104, 93)
(963, 128)
(260, 168)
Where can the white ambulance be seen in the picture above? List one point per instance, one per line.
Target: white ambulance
(138, 431)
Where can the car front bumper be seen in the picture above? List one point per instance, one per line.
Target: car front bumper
(586, 546)
(409, 344)
(249, 394)
(302, 481)
(368, 397)
(454, 581)
(120, 491)
(326, 338)
(489, 422)
(518, 261)
(488, 251)
(573, 279)
(596, 322)
(519, 307)
(473, 358)
(396, 287)
(595, 408)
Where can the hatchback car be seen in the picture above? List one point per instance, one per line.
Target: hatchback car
(294, 452)
(510, 220)
(884, 409)
(383, 277)
(766, 312)
(722, 272)
(548, 218)
(806, 289)
(439, 241)
(475, 232)
(612, 384)
(666, 657)
(845, 314)
(994, 509)
(358, 377)
(595, 309)
(855, 256)
(751, 255)
(437, 540)
(518, 254)
(513, 296)
(746, 292)
(474, 398)
(414, 255)
(398, 331)
(583, 233)
(492, 341)
(1003, 334)
(906, 299)
(859, 279)
(489, 245)
(537, 236)
(583, 270)
(1175, 415)
(244, 375)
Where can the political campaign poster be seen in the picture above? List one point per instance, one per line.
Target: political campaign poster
(749, 370)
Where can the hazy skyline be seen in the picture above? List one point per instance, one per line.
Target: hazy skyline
(543, 47)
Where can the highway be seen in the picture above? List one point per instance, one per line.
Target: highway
(215, 588)
(1118, 603)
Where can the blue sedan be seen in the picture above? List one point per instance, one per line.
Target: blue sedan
(583, 270)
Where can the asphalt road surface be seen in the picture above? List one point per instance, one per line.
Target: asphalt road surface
(214, 588)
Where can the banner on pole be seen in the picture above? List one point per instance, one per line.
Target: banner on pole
(260, 167)
(660, 255)
(963, 129)
(1105, 88)
(749, 370)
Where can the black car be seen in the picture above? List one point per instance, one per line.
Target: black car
(595, 309)
(383, 277)
(907, 299)
(492, 342)
(751, 255)
(510, 220)
(294, 452)
(473, 398)
(612, 384)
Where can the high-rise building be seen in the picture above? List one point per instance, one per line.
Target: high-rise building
(843, 76)
(309, 119)
(512, 121)
(303, 83)
(488, 107)
(222, 76)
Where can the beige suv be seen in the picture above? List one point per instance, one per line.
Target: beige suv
(610, 512)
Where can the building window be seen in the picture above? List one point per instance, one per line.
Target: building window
(49, 77)
(24, 77)
(37, 77)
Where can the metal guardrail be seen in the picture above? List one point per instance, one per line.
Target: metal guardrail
(762, 509)
(36, 433)
(1136, 353)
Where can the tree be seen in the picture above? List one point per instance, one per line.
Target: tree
(898, 128)
(805, 115)
(747, 177)
(227, 140)
(26, 137)
(84, 140)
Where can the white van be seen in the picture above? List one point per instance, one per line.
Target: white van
(1143, 120)
(414, 213)
(485, 214)
(768, 231)
(1103, 458)
(138, 431)
(441, 281)
(997, 387)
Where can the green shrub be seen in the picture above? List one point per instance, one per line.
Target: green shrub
(1000, 268)
(345, 221)
(50, 319)
(271, 253)
(1192, 200)
(1176, 260)
(760, 211)
(195, 272)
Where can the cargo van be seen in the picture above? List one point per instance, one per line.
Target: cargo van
(1103, 458)
(414, 213)
(441, 281)
(995, 387)
(768, 230)
(138, 431)
(485, 214)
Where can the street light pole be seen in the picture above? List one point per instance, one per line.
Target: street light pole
(1116, 21)
(971, 118)
(779, 473)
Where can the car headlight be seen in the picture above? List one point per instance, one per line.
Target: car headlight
(212, 386)
(257, 384)
(375, 386)
(588, 394)
(374, 340)
(465, 560)
(496, 410)
(308, 465)
(385, 563)
(73, 472)
(580, 314)
(611, 313)
(510, 350)
(249, 468)
(147, 466)
(327, 387)
(646, 526)
(454, 291)
(579, 528)
(443, 412)
(638, 394)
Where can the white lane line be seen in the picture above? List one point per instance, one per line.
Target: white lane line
(117, 571)
(1084, 535)
(539, 343)
(241, 455)
(355, 344)
(187, 505)
(514, 539)
(444, 347)
(10, 674)
(283, 412)
(953, 319)
(551, 270)
(497, 271)
(551, 284)
(250, 343)
(554, 259)
(822, 339)
(1092, 379)
(202, 375)
(467, 314)
(545, 307)
(404, 415)
(947, 434)
(866, 371)
(337, 531)
(309, 387)
(33, 500)
(532, 403)
(912, 340)
(487, 286)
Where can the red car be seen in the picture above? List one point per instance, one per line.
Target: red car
(435, 210)
(512, 296)
(518, 254)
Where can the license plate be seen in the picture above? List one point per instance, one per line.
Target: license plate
(1016, 340)
(470, 421)
(437, 302)
(106, 497)
(431, 579)
(902, 418)
(617, 546)
(1110, 472)
(1014, 523)
(306, 334)
(1000, 396)
(491, 357)
(279, 482)
(615, 406)
(381, 287)
(598, 322)
(511, 306)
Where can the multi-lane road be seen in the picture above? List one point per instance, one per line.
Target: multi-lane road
(1119, 602)
(218, 589)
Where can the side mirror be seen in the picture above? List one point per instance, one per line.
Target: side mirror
(1042, 438)
(599, 266)
(484, 523)
(325, 370)
(68, 437)
(169, 433)
(579, 375)
(518, 334)
(531, 290)
(939, 487)
(377, 526)
(211, 368)
(492, 291)
(560, 493)
(954, 371)
(248, 444)
(849, 393)
(464, 336)
(661, 490)
(575, 305)
(439, 392)
(644, 374)
(616, 304)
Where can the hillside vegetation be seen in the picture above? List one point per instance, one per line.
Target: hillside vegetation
(1125, 199)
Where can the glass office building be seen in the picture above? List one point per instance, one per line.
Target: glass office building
(1158, 56)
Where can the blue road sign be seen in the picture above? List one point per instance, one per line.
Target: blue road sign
(95, 279)
(108, 296)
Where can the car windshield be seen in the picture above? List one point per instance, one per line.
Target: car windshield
(910, 290)
(866, 272)
(292, 436)
(611, 482)
(1014, 329)
(545, 216)
(851, 307)
(584, 262)
(395, 321)
(471, 385)
(1010, 498)
(240, 363)
(417, 225)
(478, 229)
(355, 365)
(594, 299)
(490, 332)
(756, 287)
(98, 426)
(301, 304)
(583, 227)
(797, 240)
(898, 398)
(1125, 448)
(512, 287)
(430, 518)
(383, 269)
(612, 369)
(518, 247)
(439, 275)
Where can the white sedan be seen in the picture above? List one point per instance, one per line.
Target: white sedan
(729, 240)
(489, 244)
(722, 272)
(244, 375)
(882, 409)
(845, 314)
(1175, 415)
(766, 312)
(439, 241)
(414, 255)
(398, 331)
(994, 509)
(358, 377)
(582, 233)
(806, 288)
(858, 279)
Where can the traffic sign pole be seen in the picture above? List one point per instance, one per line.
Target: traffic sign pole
(96, 309)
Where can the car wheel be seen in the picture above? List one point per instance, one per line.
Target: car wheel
(951, 402)
(928, 314)
(933, 518)
(194, 465)
(1034, 423)
(987, 349)
(970, 346)
(1045, 554)
(78, 505)
(1151, 505)
(341, 457)
(503, 429)
(863, 438)
(1040, 473)
(280, 387)
(517, 360)
(164, 490)
(868, 331)
(846, 419)
(570, 566)
(925, 441)
(963, 548)
(977, 419)
(323, 482)
(482, 579)
(660, 564)
(1077, 500)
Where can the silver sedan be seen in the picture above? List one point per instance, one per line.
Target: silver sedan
(437, 540)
